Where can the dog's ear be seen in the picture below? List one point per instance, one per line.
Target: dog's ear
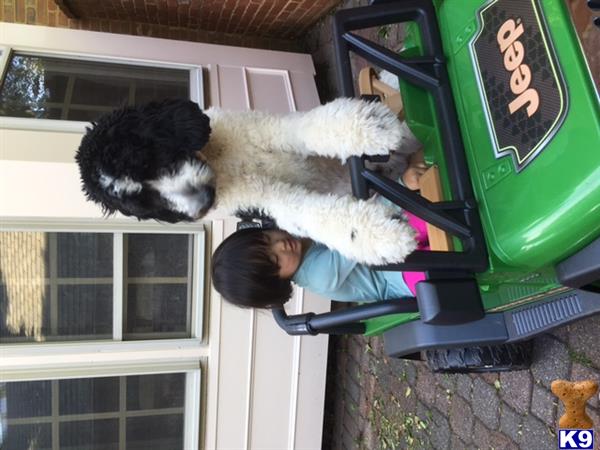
(175, 123)
(129, 146)
(139, 142)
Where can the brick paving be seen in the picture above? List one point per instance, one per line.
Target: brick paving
(376, 402)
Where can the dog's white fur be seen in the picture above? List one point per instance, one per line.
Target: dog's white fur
(285, 167)
(173, 186)
(120, 186)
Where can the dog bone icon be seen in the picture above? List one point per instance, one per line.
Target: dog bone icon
(574, 396)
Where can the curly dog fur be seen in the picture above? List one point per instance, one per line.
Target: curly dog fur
(173, 162)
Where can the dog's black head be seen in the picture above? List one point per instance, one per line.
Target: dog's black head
(142, 162)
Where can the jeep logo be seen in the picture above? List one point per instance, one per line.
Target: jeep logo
(514, 52)
(523, 94)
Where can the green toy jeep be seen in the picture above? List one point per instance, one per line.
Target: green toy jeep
(500, 96)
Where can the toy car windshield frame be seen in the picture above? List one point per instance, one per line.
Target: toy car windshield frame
(458, 217)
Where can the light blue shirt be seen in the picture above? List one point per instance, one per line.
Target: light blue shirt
(329, 274)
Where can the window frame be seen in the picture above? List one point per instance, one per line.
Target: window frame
(190, 410)
(196, 85)
(27, 361)
(118, 228)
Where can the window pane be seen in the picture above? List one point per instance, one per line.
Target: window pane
(85, 255)
(158, 255)
(88, 395)
(22, 318)
(55, 286)
(90, 435)
(71, 89)
(144, 411)
(156, 310)
(158, 283)
(88, 89)
(155, 391)
(147, 90)
(26, 399)
(56, 86)
(36, 436)
(84, 312)
(155, 432)
(60, 286)
(29, 402)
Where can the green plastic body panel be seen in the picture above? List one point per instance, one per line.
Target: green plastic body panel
(532, 218)
(551, 208)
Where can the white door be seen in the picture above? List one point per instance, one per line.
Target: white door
(115, 341)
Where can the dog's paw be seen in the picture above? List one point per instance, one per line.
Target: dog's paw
(377, 237)
(369, 128)
(391, 246)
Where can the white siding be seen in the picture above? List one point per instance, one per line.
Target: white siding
(271, 391)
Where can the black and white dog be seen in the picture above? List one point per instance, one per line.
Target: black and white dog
(172, 162)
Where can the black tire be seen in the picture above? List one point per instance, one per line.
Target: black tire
(488, 358)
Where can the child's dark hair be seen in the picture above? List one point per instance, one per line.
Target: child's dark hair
(244, 273)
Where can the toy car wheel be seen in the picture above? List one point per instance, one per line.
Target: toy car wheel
(488, 358)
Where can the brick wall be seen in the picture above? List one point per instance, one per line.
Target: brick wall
(273, 18)
(270, 24)
(588, 34)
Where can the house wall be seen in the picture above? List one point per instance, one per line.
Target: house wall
(282, 18)
(269, 24)
(262, 388)
(588, 34)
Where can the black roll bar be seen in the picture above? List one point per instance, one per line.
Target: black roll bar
(346, 321)
(458, 217)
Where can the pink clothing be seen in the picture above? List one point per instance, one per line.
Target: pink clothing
(412, 278)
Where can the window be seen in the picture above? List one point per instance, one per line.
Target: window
(65, 92)
(101, 336)
(134, 412)
(44, 87)
(88, 286)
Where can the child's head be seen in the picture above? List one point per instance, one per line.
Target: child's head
(253, 267)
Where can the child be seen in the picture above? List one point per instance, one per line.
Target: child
(255, 267)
